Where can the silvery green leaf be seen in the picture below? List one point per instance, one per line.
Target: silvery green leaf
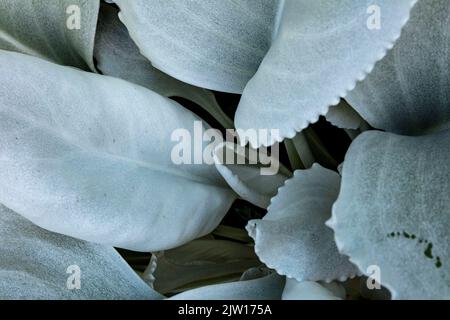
(293, 239)
(307, 290)
(202, 261)
(90, 156)
(61, 31)
(118, 56)
(344, 116)
(255, 284)
(408, 91)
(320, 49)
(393, 212)
(211, 44)
(253, 182)
(38, 264)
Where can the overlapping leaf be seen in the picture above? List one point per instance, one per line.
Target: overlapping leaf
(393, 211)
(321, 49)
(212, 44)
(408, 91)
(90, 156)
(118, 56)
(38, 264)
(61, 31)
(251, 180)
(295, 290)
(293, 239)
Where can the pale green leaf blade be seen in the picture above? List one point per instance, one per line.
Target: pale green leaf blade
(408, 91)
(211, 44)
(252, 181)
(393, 212)
(90, 156)
(307, 290)
(61, 31)
(320, 50)
(293, 238)
(118, 56)
(344, 116)
(38, 264)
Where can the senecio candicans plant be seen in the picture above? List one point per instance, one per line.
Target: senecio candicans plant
(122, 175)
